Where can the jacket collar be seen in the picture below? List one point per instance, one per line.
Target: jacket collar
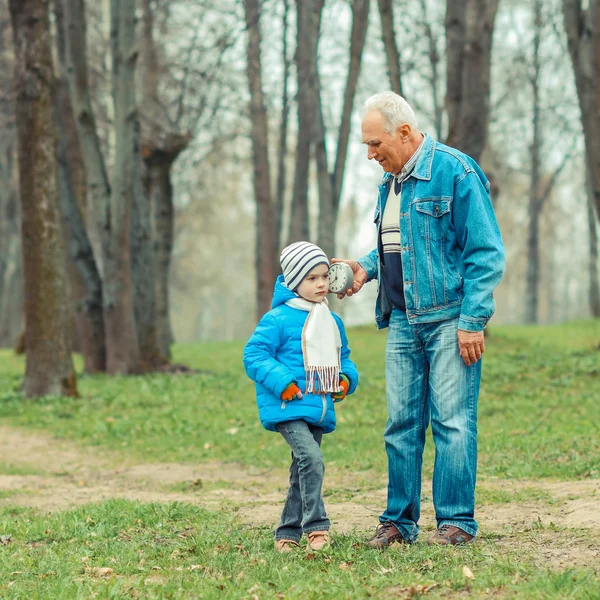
(422, 169)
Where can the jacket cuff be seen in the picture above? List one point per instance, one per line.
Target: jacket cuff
(369, 265)
(471, 323)
(283, 385)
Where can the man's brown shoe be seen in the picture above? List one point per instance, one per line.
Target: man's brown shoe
(386, 535)
(448, 534)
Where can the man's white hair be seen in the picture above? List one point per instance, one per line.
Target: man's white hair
(394, 108)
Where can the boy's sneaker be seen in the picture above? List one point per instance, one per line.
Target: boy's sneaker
(285, 545)
(449, 535)
(317, 540)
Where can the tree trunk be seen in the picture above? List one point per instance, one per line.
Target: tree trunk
(265, 231)
(583, 37)
(86, 284)
(594, 293)
(161, 190)
(469, 33)
(160, 150)
(49, 366)
(330, 186)
(308, 24)
(392, 55)
(159, 163)
(282, 145)
(535, 202)
(121, 340)
(11, 272)
(143, 272)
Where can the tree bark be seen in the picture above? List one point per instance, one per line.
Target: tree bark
(86, 284)
(469, 34)
(265, 230)
(49, 366)
(392, 55)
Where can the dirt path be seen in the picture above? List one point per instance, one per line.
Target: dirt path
(68, 475)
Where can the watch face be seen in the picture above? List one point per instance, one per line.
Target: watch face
(339, 281)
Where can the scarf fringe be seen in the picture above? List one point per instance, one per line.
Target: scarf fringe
(322, 380)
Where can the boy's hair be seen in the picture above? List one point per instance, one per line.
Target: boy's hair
(298, 260)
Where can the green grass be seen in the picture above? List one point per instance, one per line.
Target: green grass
(11, 469)
(538, 407)
(539, 418)
(181, 551)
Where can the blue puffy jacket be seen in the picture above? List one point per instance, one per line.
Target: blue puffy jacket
(273, 360)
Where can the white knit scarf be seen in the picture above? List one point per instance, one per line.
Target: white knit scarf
(321, 346)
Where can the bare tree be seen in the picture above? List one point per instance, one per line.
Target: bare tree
(582, 24)
(308, 17)
(469, 33)
(330, 184)
(49, 366)
(283, 139)
(122, 349)
(265, 231)
(392, 55)
(583, 36)
(86, 284)
(594, 285)
(11, 275)
(11, 272)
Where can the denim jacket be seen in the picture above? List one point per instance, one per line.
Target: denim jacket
(452, 252)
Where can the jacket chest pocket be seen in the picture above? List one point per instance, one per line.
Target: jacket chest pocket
(433, 217)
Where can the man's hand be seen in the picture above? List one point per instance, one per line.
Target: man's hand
(471, 346)
(360, 276)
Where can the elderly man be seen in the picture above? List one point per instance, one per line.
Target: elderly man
(438, 258)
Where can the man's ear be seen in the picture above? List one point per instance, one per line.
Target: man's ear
(403, 132)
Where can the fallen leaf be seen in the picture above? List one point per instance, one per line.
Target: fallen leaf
(99, 571)
(468, 573)
(232, 431)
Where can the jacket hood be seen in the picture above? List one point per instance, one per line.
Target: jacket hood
(281, 294)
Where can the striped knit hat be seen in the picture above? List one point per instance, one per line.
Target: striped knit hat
(298, 260)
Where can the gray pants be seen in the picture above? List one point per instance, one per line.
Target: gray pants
(304, 510)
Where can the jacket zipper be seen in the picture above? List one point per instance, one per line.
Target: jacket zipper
(324, 398)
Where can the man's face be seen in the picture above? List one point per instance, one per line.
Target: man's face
(315, 285)
(389, 151)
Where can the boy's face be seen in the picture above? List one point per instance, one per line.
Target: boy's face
(315, 285)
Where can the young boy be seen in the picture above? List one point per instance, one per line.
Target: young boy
(299, 358)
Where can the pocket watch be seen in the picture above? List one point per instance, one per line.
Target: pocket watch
(341, 277)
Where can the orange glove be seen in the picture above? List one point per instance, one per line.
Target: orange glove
(291, 391)
(344, 384)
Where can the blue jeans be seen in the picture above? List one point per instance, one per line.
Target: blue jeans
(304, 510)
(427, 379)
